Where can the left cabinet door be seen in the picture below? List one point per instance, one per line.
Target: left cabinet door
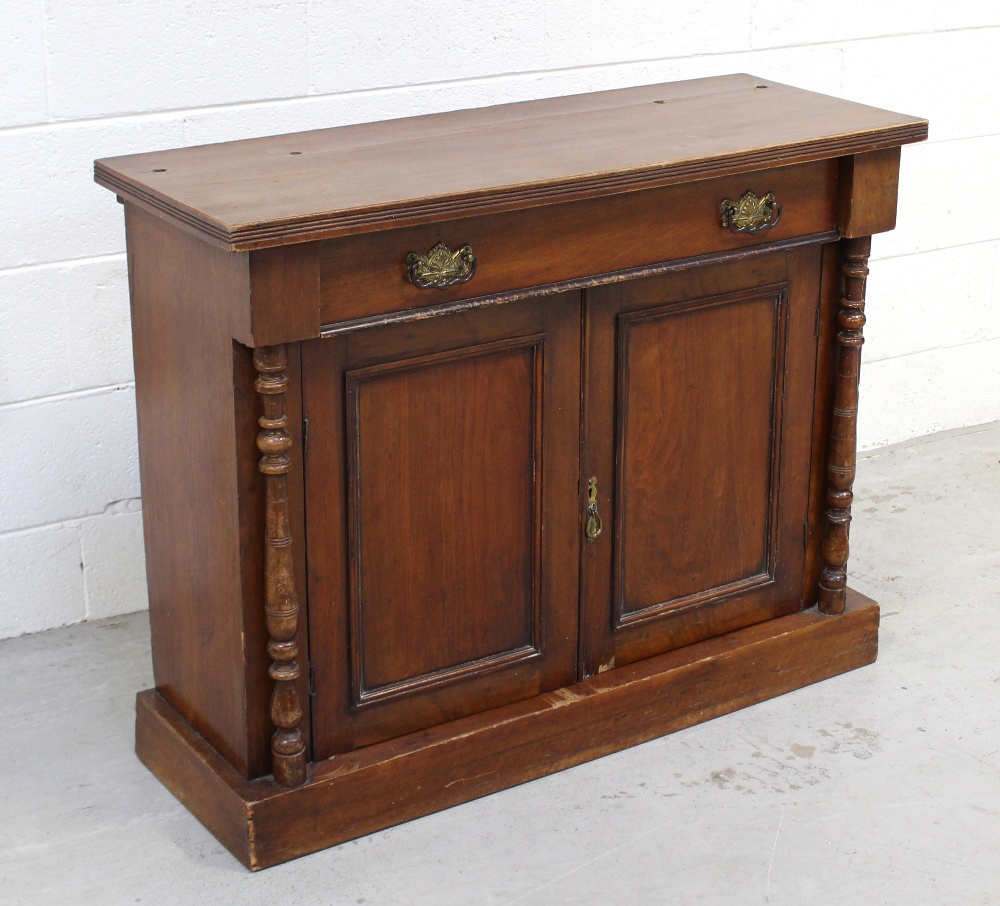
(442, 517)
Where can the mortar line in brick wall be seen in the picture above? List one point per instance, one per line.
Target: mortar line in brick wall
(121, 256)
(178, 114)
(942, 248)
(62, 262)
(917, 352)
(151, 116)
(71, 521)
(45, 60)
(173, 112)
(68, 395)
(309, 46)
(859, 40)
(922, 439)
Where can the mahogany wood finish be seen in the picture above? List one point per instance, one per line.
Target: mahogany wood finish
(189, 421)
(362, 274)
(396, 781)
(462, 436)
(284, 291)
(869, 188)
(844, 430)
(405, 601)
(703, 452)
(826, 359)
(281, 603)
(291, 188)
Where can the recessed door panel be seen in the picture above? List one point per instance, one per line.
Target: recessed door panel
(444, 502)
(700, 442)
(442, 519)
(697, 450)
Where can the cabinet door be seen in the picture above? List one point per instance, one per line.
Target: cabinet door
(698, 431)
(441, 518)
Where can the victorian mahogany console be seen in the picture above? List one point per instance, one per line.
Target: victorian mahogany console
(478, 445)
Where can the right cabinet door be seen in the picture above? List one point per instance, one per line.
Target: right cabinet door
(698, 436)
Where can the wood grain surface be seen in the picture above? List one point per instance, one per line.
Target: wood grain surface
(203, 496)
(432, 606)
(701, 445)
(364, 275)
(442, 517)
(396, 781)
(311, 185)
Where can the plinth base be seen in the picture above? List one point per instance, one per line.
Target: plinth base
(395, 781)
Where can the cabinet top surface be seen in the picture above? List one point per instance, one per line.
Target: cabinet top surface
(361, 178)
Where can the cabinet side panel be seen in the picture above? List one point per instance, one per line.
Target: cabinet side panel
(184, 295)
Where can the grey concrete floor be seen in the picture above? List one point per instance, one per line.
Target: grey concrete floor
(881, 786)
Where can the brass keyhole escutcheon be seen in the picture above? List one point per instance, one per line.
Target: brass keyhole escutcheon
(593, 524)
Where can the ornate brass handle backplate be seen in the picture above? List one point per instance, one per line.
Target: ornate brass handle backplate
(594, 524)
(441, 267)
(750, 214)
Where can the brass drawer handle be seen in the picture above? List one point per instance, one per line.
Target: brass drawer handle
(594, 524)
(750, 214)
(441, 267)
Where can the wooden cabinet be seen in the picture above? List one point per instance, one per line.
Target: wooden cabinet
(475, 446)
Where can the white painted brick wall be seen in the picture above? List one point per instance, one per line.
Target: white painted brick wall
(81, 79)
(22, 64)
(132, 56)
(74, 454)
(922, 302)
(65, 328)
(43, 579)
(52, 209)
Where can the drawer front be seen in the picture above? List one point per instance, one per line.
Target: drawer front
(367, 275)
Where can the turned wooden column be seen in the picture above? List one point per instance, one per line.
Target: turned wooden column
(842, 456)
(281, 605)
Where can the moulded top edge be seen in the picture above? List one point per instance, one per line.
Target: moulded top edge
(358, 178)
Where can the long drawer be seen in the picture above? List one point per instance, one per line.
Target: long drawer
(367, 275)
